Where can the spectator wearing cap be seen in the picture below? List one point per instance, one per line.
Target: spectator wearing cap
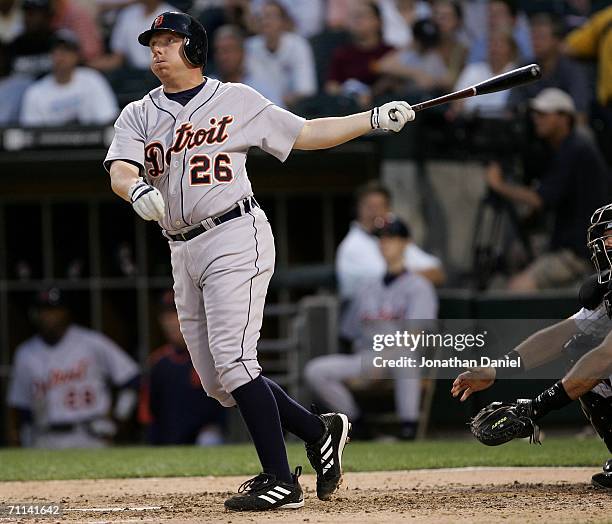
(420, 67)
(60, 393)
(575, 182)
(231, 65)
(70, 94)
(557, 70)
(358, 258)
(132, 20)
(502, 57)
(351, 70)
(282, 57)
(11, 20)
(502, 17)
(380, 307)
(173, 405)
(69, 14)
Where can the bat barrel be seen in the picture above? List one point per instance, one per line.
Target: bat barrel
(516, 77)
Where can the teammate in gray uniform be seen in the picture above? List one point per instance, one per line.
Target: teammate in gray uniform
(60, 394)
(585, 337)
(179, 156)
(380, 307)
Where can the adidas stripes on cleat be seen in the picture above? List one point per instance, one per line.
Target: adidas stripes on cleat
(325, 455)
(264, 492)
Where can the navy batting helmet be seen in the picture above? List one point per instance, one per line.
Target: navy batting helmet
(195, 47)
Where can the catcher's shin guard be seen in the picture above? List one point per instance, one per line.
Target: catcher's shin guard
(598, 410)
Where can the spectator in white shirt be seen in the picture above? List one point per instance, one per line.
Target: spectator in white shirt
(282, 57)
(231, 66)
(398, 18)
(502, 57)
(69, 94)
(131, 21)
(358, 259)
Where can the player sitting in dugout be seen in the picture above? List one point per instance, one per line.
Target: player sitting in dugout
(60, 391)
(359, 259)
(585, 338)
(380, 305)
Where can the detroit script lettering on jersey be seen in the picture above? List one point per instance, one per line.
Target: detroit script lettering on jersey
(59, 377)
(195, 155)
(186, 138)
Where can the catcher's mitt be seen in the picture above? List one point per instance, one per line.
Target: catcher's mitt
(500, 422)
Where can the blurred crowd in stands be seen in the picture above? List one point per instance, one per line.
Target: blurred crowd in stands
(55, 53)
(78, 62)
(68, 62)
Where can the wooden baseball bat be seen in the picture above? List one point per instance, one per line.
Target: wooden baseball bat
(516, 77)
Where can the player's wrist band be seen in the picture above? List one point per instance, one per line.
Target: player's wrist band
(509, 372)
(138, 189)
(375, 118)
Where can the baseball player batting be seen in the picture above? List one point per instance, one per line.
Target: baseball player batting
(178, 156)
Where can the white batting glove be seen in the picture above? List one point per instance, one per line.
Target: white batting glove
(391, 116)
(146, 201)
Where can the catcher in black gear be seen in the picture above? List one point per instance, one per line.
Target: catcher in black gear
(585, 339)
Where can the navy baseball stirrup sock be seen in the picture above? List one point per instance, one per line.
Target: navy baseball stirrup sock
(260, 413)
(294, 417)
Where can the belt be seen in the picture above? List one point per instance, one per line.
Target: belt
(241, 208)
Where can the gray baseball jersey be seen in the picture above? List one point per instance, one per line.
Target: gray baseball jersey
(196, 154)
(382, 309)
(377, 309)
(68, 383)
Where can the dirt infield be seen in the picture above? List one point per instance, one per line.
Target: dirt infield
(433, 496)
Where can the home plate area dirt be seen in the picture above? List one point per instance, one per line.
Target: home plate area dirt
(471, 495)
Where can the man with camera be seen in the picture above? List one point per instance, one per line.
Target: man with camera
(575, 181)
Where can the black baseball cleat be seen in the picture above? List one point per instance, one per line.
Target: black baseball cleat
(325, 455)
(604, 479)
(264, 492)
